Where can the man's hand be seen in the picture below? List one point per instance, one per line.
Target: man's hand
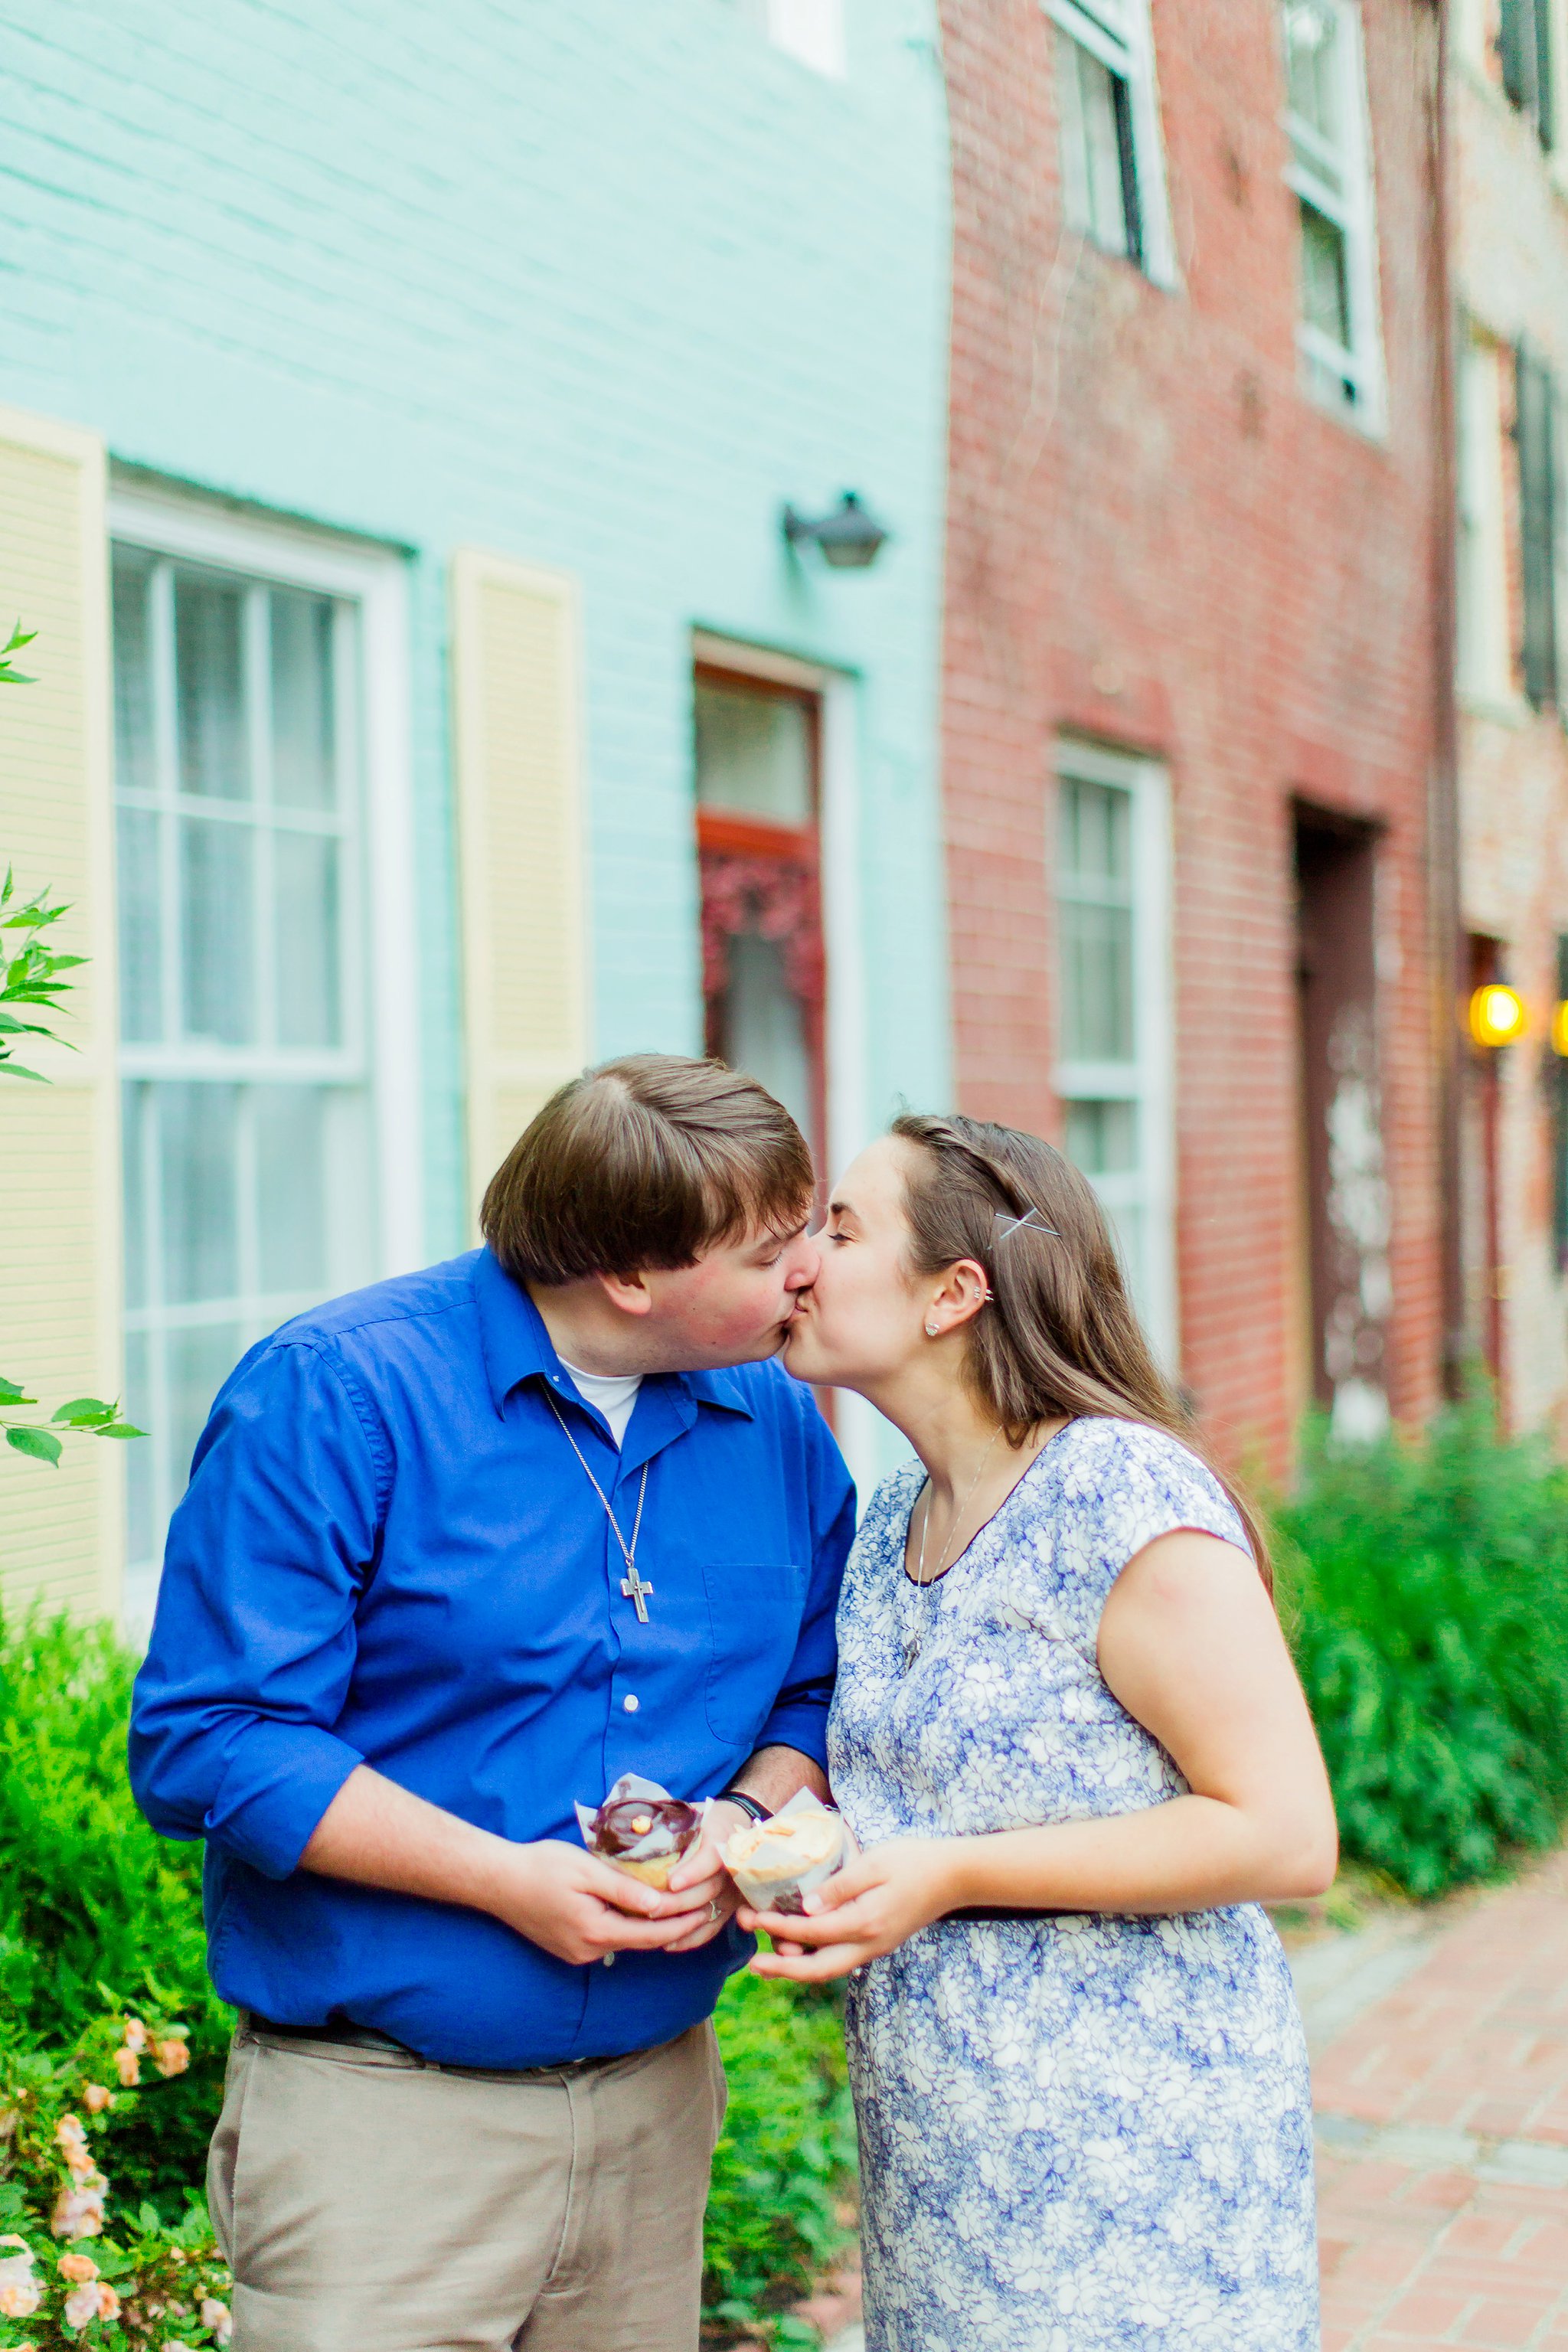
(569, 1903)
(702, 1882)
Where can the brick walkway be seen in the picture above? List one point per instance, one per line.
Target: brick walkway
(1440, 2075)
(1443, 2132)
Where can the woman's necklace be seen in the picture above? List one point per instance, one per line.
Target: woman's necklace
(913, 1646)
(957, 1521)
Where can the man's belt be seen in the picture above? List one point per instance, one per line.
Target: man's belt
(343, 2032)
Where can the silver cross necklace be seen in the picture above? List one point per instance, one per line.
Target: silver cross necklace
(632, 1584)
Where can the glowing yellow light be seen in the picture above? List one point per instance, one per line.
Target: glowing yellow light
(1497, 1015)
(1560, 1029)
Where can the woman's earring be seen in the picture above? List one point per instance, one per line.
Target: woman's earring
(930, 1330)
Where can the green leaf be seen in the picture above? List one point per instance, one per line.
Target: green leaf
(120, 1429)
(12, 1392)
(38, 1443)
(15, 1070)
(84, 1413)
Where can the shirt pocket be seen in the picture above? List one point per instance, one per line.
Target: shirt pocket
(753, 1619)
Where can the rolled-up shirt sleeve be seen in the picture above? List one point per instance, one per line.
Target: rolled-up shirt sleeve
(253, 1645)
(799, 1715)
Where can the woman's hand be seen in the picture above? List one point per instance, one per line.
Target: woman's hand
(874, 1904)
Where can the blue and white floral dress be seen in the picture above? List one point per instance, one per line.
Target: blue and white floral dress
(1083, 2133)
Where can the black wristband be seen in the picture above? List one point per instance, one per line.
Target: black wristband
(751, 1805)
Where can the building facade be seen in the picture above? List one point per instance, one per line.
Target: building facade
(400, 417)
(1194, 674)
(1509, 136)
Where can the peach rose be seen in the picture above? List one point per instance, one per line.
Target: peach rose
(82, 2304)
(68, 2133)
(107, 2301)
(136, 2034)
(216, 2315)
(172, 2057)
(79, 2212)
(128, 2066)
(95, 2098)
(78, 2268)
(20, 2298)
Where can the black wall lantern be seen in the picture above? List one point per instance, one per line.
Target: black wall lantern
(849, 537)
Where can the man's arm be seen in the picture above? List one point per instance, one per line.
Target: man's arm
(249, 1665)
(560, 1896)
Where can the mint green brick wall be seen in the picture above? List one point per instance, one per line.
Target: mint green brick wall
(597, 284)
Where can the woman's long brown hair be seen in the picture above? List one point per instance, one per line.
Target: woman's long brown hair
(1060, 1337)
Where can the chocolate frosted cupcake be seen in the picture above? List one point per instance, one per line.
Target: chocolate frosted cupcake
(641, 1828)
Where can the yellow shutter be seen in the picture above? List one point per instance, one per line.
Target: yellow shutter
(61, 1531)
(520, 818)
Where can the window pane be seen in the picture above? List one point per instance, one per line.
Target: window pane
(143, 1536)
(1092, 130)
(304, 767)
(198, 1138)
(1102, 1138)
(1097, 838)
(135, 1110)
(1325, 292)
(214, 751)
(215, 930)
(309, 1010)
(754, 753)
(762, 1030)
(290, 1189)
(132, 672)
(138, 836)
(199, 1360)
(1096, 983)
(1312, 39)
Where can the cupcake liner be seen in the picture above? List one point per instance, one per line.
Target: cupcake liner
(785, 1888)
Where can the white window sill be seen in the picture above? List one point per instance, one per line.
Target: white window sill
(1496, 710)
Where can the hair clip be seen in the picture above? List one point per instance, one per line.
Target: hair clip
(1003, 1228)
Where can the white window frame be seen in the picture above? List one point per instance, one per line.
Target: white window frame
(387, 928)
(1484, 630)
(1145, 1080)
(1120, 35)
(1353, 210)
(810, 31)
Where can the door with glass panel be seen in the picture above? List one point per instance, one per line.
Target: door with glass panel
(1114, 1009)
(762, 963)
(249, 1192)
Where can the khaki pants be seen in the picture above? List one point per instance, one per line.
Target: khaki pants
(369, 2203)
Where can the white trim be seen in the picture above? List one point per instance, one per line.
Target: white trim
(861, 1431)
(1120, 35)
(375, 579)
(1353, 210)
(1147, 1078)
(812, 31)
(1484, 639)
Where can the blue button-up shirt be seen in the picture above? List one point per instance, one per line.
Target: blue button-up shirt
(389, 1554)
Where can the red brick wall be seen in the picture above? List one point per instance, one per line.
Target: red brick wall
(1157, 537)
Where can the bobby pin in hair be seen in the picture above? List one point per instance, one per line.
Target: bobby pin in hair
(1003, 1228)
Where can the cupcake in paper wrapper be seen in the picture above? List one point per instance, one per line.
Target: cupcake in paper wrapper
(641, 1828)
(777, 1863)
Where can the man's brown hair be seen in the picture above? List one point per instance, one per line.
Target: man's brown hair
(646, 1162)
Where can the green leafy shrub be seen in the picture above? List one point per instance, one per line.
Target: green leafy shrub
(1426, 1586)
(786, 2159)
(100, 1919)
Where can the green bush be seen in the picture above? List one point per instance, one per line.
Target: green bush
(100, 1919)
(1426, 1585)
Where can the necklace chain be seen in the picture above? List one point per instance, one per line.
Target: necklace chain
(629, 1551)
(957, 1520)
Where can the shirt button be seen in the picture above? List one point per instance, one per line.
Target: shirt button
(631, 1702)
(609, 1959)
